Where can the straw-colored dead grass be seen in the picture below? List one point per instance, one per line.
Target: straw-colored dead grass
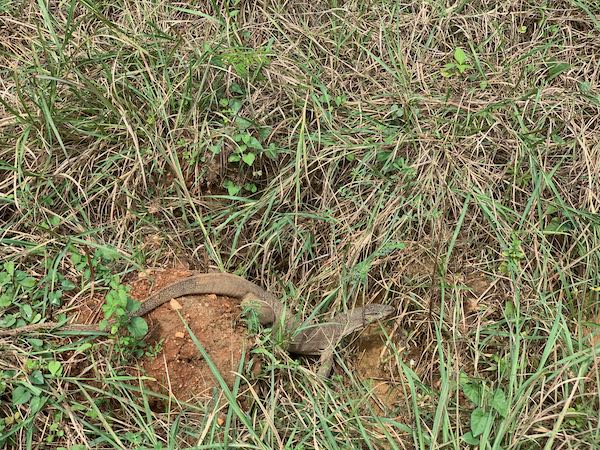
(469, 202)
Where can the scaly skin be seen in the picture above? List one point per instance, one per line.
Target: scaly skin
(316, 338)
(225, 284)
(305, 339)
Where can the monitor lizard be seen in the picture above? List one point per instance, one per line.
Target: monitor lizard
(305, 338)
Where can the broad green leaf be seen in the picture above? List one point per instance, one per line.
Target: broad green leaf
(55, 297)
(232, 188)
(470, 439)
(20, 395)
(558, 226)
(132, 305)
(557, 69)
(235, 106)
(248, 158)
(446, 71)
(26, 311)
(272, 151)
(5, 300)
(472, 391)
(499, 402)
(8, 321)
(75, 258)
(250, 187)
(215, 149)
(236, 89)
(241, 68)
(9, 267)
(34, 342)
(32, 364)
(37, 402)
(460, 56)
(585, 87)
(108, 253)
(479, 420)
(67, 285)
(254, 143)
(54, 367)
(122, 293)
(137, 327)
(509, 310)
(242, 124)
(36, 377)
(28, 282)
(462, 67)
(264, 132)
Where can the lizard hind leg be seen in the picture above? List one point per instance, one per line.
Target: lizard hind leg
(257, 309)
(326, 363)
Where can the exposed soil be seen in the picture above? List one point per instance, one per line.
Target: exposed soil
(178, 368)
(371, 352)
(481, 299)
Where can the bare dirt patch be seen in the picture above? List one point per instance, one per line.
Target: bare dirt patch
(371, 351)
(481, 299)
(178, 368)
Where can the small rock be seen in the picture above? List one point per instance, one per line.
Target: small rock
(175, 305)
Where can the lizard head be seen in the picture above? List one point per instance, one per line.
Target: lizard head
(377, 311)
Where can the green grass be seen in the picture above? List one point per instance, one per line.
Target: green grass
(336, 153)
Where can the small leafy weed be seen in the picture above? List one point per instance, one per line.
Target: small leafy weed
(392, 165)
(490, 406)
(513, 255)
(118, 305)
(459, 66)
(248, 139)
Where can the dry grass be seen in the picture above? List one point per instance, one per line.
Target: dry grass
(469, 202)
